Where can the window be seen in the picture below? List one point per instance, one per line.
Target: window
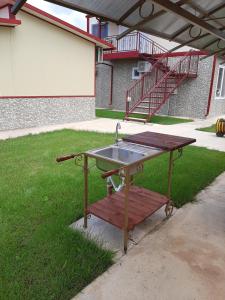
(220, 90)
(104, 30)
(135, 73)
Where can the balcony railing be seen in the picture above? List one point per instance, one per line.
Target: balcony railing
(135, 41)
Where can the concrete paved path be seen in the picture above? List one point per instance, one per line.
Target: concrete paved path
(204, 139)
(185, 259)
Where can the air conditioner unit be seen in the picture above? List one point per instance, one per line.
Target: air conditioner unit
(144, 66)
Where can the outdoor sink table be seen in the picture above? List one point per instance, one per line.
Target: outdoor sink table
(132, 205)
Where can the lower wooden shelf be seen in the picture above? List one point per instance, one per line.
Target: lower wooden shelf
(142, 204)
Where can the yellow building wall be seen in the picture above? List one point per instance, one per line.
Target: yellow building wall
(40, 59)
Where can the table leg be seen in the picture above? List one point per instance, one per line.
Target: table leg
(169, 206)
(126, 196)
(85, 189)
(109, 189)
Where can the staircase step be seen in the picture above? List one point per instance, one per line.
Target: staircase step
(167, 86)
(160, 92)
(151, 101)
(135, 119)
(142, 107)
(159, 87)
(155, 97)
(152, 105)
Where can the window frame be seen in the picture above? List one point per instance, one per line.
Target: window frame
(222, 82)
(133, 74)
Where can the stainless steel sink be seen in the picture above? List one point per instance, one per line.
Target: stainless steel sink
(122, 154)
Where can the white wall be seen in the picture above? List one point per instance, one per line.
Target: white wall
(40, 59)
(4, 12)
(217, 107)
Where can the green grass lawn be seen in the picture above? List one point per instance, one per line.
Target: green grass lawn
(40, 257)
(164, 120)
(211, 128)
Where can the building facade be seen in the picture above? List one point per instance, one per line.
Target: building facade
(47, 70)
(196, 97)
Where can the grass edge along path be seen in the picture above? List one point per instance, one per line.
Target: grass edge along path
(163, 120)
(40, 257)
(211, 128)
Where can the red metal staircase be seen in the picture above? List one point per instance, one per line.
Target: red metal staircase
(155, 87)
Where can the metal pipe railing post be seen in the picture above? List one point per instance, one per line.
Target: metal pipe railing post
(170, 170)
(137, 42)
(127, 103)
(85, 189)
(189, 64)
(126, 200)
(142, 87)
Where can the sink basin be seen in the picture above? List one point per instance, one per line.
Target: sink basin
(122, 154)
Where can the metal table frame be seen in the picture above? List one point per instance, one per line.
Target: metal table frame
(169, 205)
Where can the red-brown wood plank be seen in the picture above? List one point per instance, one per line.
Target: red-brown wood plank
(132, 207)
(141, 204)
(159, 140)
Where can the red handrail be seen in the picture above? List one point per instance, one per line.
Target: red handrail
(187, 62)
(149, 74)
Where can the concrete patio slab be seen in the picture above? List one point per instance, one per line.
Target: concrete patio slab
(185, 259)
(110, 237)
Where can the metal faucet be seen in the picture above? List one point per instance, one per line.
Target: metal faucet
(118, 126)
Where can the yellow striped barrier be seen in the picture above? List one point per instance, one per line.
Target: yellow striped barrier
(220, 127)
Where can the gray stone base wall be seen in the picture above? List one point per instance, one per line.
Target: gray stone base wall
(192, 95)
(17, 113)
(103, 85)
(217, 107)
(122, 80)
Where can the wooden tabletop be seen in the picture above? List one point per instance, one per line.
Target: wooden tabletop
(159, 140)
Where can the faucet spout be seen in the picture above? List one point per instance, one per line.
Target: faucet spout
(118, 126)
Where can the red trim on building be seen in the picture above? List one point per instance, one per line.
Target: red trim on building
(211, 85)
(35, 97)
(11, 19)
(136, 54)
(58, 22)
(9, 22)
(121, 55)
(95, 73)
